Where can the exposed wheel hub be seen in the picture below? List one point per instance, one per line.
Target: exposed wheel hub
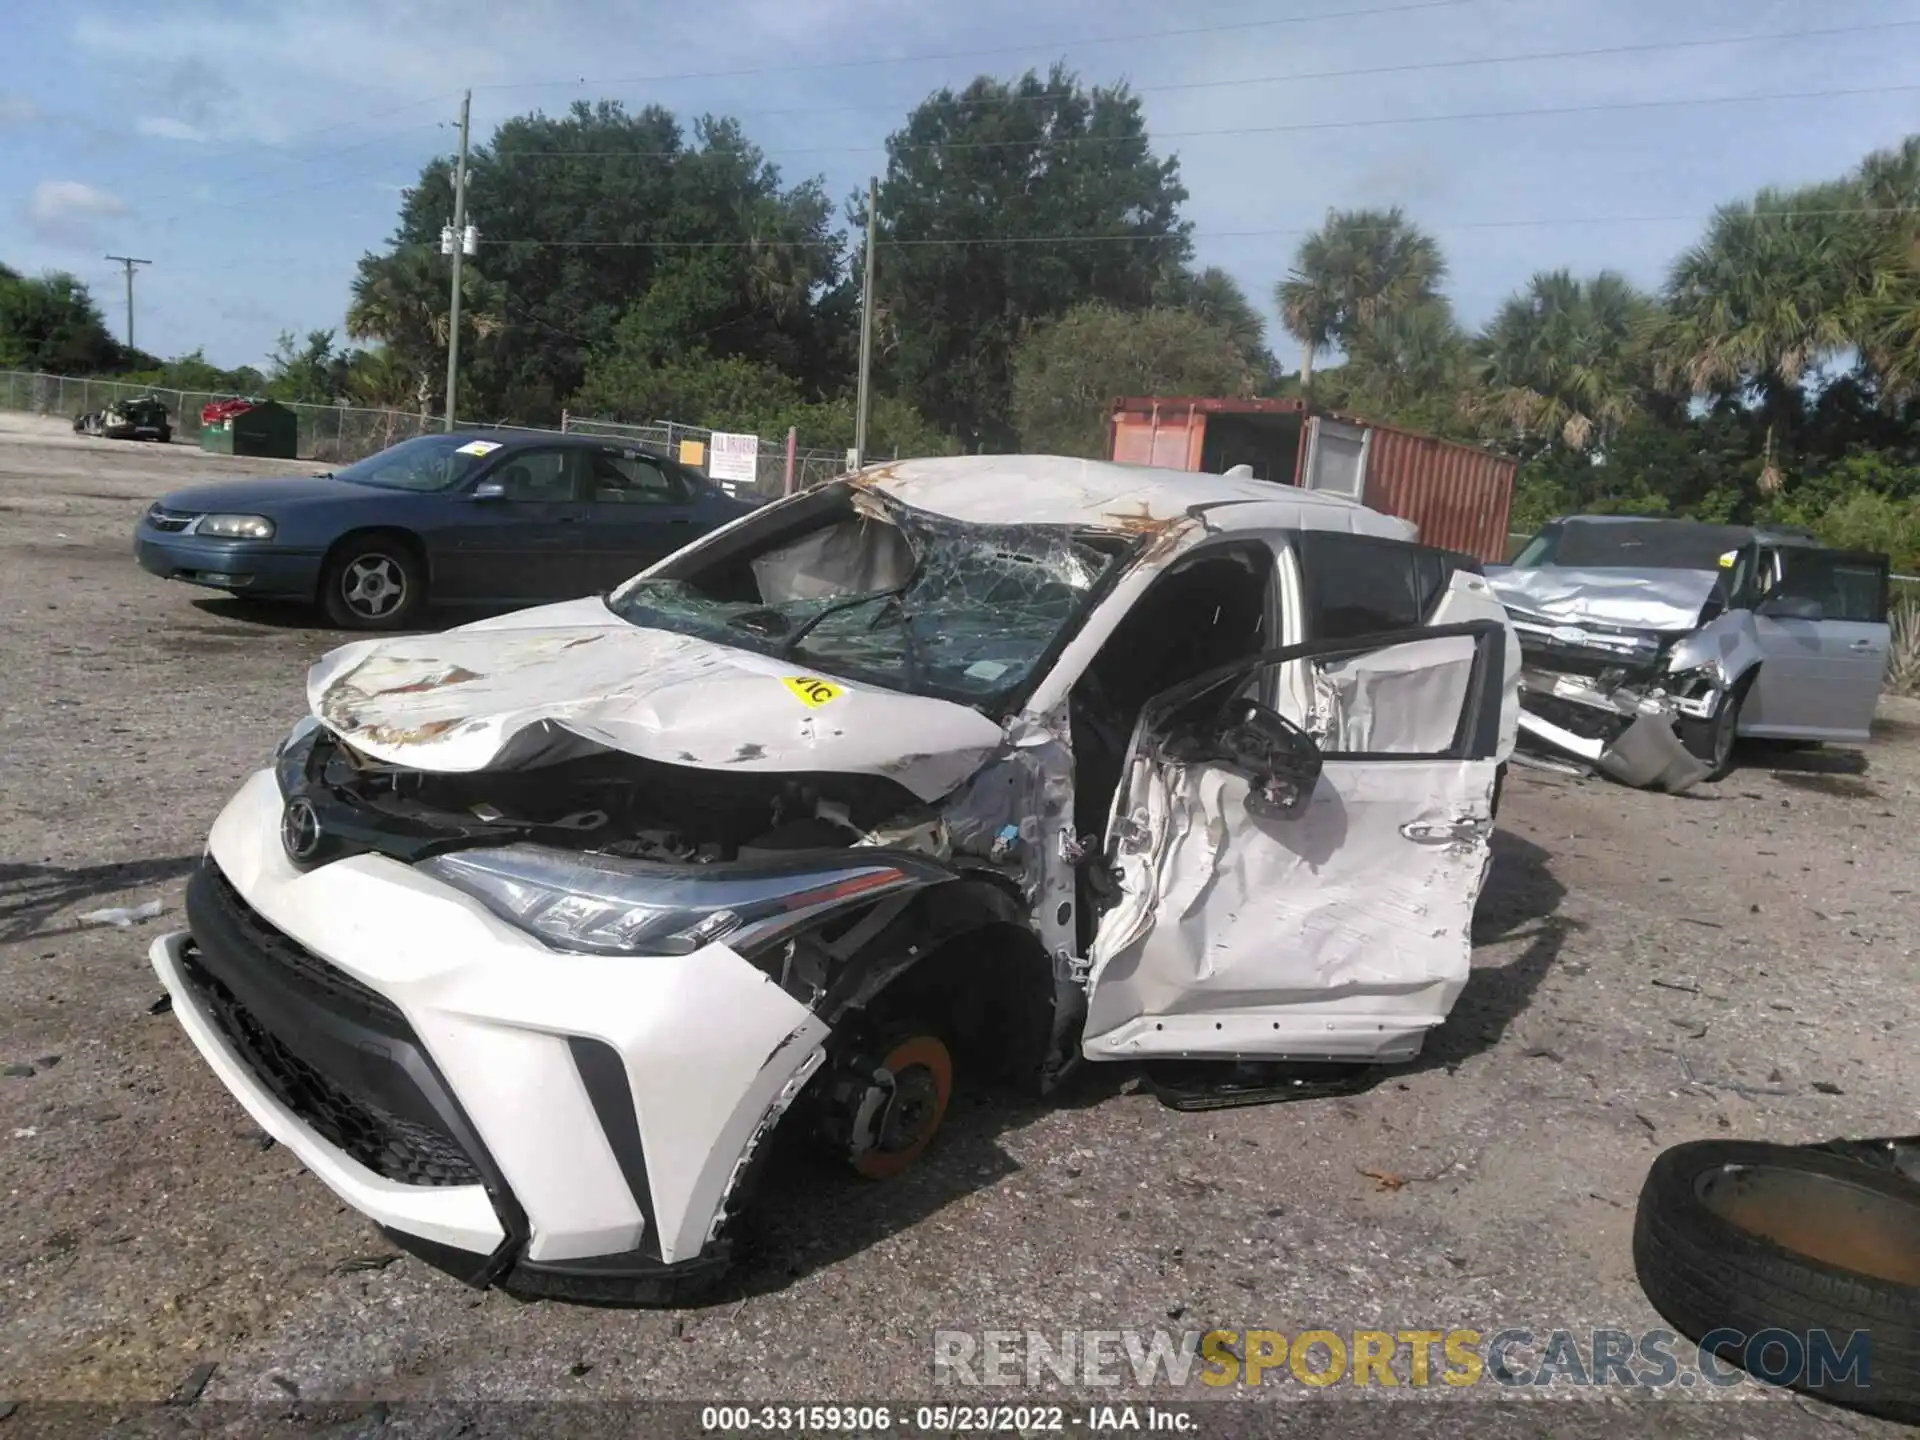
(881, 1113)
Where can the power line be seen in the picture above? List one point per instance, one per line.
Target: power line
(881, 60)
(1115, 237)
(1295, 127)
(1412, 67)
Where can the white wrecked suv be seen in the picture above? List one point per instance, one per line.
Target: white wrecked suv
(535, 930)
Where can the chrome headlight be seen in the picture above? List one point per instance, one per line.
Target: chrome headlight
(606, 906)
(235, 527)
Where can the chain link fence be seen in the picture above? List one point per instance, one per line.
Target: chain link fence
(810, 466)
(334, 434)
(340, 434)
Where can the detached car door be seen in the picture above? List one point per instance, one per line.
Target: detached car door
(1825, 643)
(1269, 913)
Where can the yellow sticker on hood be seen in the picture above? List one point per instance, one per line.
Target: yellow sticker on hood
(813, 693)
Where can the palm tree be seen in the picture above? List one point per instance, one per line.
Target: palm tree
(401, 299)
(1779, 287)
(1359, 266)
(1889, 188)
(1561, 359)
(1407, 354)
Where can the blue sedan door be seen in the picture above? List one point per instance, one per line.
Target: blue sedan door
(523, 543)
(639, 509)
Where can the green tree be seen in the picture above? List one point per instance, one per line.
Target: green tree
(1067, 374)
(582, 215)
(1888, 185)
(50, 323)
(313, 373)
(401, 301)
(1779, 287)
(1005, 204)
(1407, 356)
(1562, 361)
(1216, 297)
(722, 392)
(1360, 267)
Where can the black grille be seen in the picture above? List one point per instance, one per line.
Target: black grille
(306, 971)
(387, 1144)
(336, 1053)
(171, 521)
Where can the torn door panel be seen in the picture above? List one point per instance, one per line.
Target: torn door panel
(1370, 966)
(1405, 700)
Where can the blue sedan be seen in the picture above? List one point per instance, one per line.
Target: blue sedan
(507, 520)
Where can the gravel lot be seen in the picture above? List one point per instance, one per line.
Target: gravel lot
(1759, 934)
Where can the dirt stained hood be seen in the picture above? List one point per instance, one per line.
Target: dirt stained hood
(542, 684)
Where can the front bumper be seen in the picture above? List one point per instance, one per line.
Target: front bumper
(1625, 735)
(237, 565)
(556, 1114)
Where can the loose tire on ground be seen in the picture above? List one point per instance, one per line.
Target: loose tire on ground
(373, 582)
(1747, 1237)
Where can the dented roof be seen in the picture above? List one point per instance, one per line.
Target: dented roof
(1098, 494)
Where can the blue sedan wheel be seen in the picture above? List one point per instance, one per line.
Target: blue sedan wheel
(373, 583)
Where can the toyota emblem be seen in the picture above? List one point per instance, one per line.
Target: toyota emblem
(300, 830)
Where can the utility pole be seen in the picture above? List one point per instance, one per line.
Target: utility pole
(129, 262)
(866, 330)
(459, 247)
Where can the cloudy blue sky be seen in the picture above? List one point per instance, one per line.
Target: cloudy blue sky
(254, 148)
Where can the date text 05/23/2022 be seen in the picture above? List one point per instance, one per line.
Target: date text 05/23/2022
(866, 1420)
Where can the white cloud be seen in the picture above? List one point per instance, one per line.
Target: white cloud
(162, 127)
(17, 110)
(67, 210)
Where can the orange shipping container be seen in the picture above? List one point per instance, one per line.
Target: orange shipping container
(1457, 495)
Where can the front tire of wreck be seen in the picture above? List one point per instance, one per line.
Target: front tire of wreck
(1712, 741)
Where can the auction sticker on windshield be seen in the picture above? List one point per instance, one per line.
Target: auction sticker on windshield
(478, 447)
(813, 693)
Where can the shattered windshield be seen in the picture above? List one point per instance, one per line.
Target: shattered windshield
(1631, 545)
(894, 596)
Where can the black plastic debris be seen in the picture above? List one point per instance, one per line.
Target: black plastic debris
(189, 1389)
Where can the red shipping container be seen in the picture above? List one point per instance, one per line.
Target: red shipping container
(1459, 496)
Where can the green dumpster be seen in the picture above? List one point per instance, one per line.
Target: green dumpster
(269, 430)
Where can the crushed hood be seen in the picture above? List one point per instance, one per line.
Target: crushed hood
(547, 683)
(1663, 600)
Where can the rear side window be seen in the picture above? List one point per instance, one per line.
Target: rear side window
(1362, 585)
(1846, 587)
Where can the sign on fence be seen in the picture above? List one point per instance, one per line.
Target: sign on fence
(734, 458)
(693, 452)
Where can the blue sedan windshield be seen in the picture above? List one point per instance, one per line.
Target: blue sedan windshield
(427, 462)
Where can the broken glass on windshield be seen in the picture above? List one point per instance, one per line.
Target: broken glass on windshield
(882, 592)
